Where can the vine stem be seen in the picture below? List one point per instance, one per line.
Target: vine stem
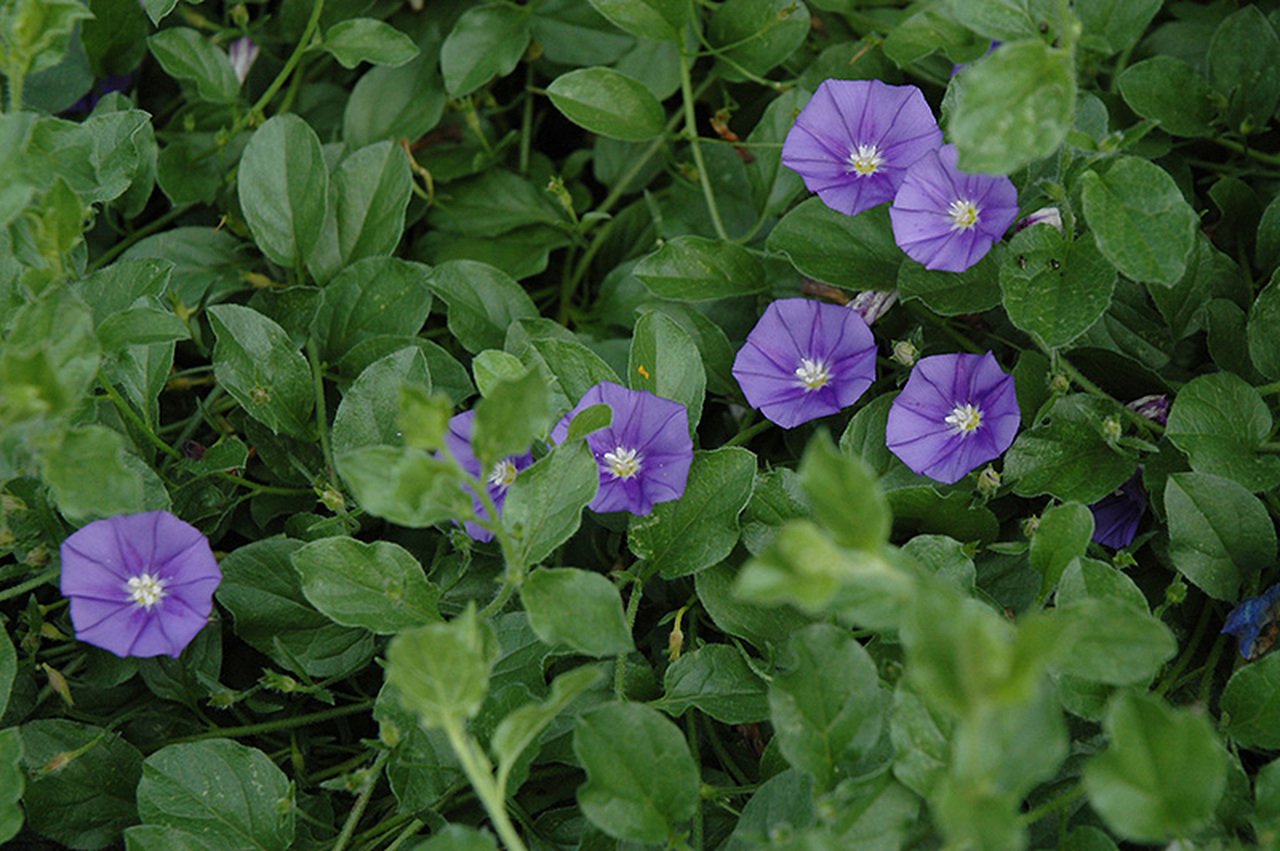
(1260, 156)
(480, 773)
(281, 724)
(1193, 644)
(1061, 802)
(322, 415)
(125, 244)
(362, 801)
(35, 582)
(691, 129)
(313, 24)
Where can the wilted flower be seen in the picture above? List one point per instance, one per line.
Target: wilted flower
(644, 455)
(457, 442)
(1253, 623)
(243, 53)
(855, 139)
(955, 412)
(139, 584)
(872, 304)
(946, 219)
(1154, 407)
(1116, 516)
(1043, 216)
(805, 359)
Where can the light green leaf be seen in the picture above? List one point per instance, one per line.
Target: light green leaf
(442, 670)
(854, 252)
(844, 497)
(544, 505)
(691, 268)
(257, 363)
(482, 302)
(666, 362)
(357, 40)
(1063, 534)
(404, 485)
(188, 56)
(378, 586)
(578, 609)
(716, 680)
(512, 415)
(1055, 290)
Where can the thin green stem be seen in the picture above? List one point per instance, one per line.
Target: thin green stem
(480, 772)
(282, 723)
(362, 801)
(633, 606)
(16, 82)
(1260, 156)
(748, 433)
(1061, 802)
(322, 416)
(127, 411)
(405, 835)
(691, 733)
(30, 584)
(1210, 666)
(526, 120)
(691, 132)
(313, 24)
(1188, 652)
(1268, 389)
(1092, 389)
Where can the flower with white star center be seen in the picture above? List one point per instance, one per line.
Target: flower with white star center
(805, 359)
(643, 455)
(498, 479)
(965, 419)
(854, 140)
(942, 438)
(964, 214)
(503, 474)
(139, 584)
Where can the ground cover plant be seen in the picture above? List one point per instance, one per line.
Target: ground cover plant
(639, 423)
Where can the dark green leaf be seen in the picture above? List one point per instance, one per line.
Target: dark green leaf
(378, 586)
(1220, 422)
(357, 40)
(577, 609)
(544, 506)
(369, 412)
(369, 193)
(482, 302)
(1217, 532)
(974, 290)
(1068, 457)
(260, 367)
(395, 103)
(188, 56)
(657, 19)
(691, 268)
(283, 186)
(755, 36)
(1055, 290)
(486, 41)
(718, 681)
(11, 778)
(855, 252)
(1244, 66)
(1170, 92)
(609, 103)
(1063, 534)
(1251, 704)
(664, 361)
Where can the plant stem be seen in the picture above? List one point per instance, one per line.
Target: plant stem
(362, 801)
(281, 724)
(1193, 644)
(748, 433)
(1049, 807)
(127, 411)
(412, 828)
(35, 582)
(322, 416)
(691, 132)
(480, 773)
(1260, 156)
(313, 24)
(1094, 390)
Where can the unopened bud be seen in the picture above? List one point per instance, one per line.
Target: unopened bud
(557, 189)
(872, 304)
(37, 557)
(1176, 593)
(1059, 383)
(58, 683)
(276, 681)
(988, 481)
(332, 499)
(1111, 429)
(1043, 216)
(240, 15)
(7, 538)
(905, 352)
(1030, 526)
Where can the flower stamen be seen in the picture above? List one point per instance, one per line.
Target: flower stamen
(813, 373)
(623, 463)
(145, 590)
(963, 213)
(865, 160)
(503, 474)
(965, 419)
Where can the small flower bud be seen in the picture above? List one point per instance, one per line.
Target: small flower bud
(1059, 383)
(1111, 429)
(988, 481)
(58, 683)
(872, 304)
(37, 557)
(1030, 526)
(1176, 593)
(242, 53)
(276, 681)
(905, 352)
(1154, 407)
(1043, 216)
(332, 499)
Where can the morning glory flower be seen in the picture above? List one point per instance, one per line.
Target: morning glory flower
(1116, 516)
(854, 140)
(955, 413)
(139, 584)
(805, 359)
(457, 442)
(644, 455)
(946, 219)
(1253, 623)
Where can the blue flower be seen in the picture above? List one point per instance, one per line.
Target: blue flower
(1253, 623)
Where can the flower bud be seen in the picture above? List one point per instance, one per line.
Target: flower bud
(1154, 407)
(1111, 429)
(1043, 216)
(1030, 526)
(243, 53)
(905, 352)
(988, 481)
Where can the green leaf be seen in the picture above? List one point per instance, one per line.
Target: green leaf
(188, 56)
(370, 298)
(1013, 107)
(1114, 25)
(264, 595)
(442, 670)
(1220, 422)
(921, 733)
(1217, 532)
(404, 485)
(588, 420)
(89, 800)
(1003, 20)
(1055, 290)
(522, 726)
(1163, 774)
(369, 193)
(219, 790)
(691, 268)
(482, 302)
(1068, 457)
(511, 416)
(257, 363)
(573, 367)
(1170, 92)
(854, 252)
(642, 783)
(486, 42)
(1140, 220)
(700, 529)
(378, 586)
(154, 837)
(1063, 534)
(141, 325)
(11, 779)
(158, 9)
(716, 680)
(8, 670)
(662, 20)
(1089, 578)
(1107, 640)
(395, 103)
(975, 290)
(666, 362)
(1244, 66)
(370, 409)
(544, 505)
(357, 40)
(1264, 348)
(492, 203)
(825, 703)
(577, 609)
(843, 496)
(90, 476)
(283, 187)
(608, 103)
(1251, 704)
(753, 37)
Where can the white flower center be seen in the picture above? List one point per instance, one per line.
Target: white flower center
(865, 160)
(502, 475)
(963, 213)
(965, 419)
(812, 373)
(624, 463)
(145, 590)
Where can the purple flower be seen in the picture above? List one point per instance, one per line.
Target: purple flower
(1117, 515)
(1154, 408)
(457, 442)
(242, 53)
(855, 139)
(1248, 621)
(956, 412)
(872, 304)
(139, 584)
(946, 219)
(805, 359)
(644, 455)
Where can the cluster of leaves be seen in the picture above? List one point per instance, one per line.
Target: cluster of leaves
(255, 303)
